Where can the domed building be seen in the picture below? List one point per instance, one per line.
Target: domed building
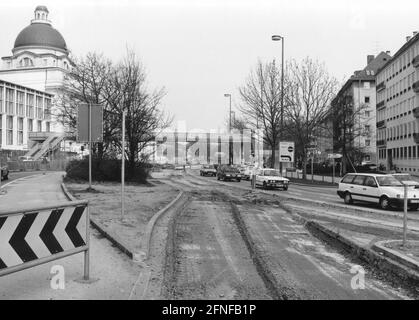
(29, 80)
(40, 55)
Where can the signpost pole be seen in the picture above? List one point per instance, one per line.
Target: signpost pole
(312, 167)
(90, 146)
(123, 167)
(333, 175)
(405, 216)
(87, 252)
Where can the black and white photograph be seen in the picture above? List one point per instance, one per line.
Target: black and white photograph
(214, 156)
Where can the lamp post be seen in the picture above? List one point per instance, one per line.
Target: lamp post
(281, 38)
(228, 95)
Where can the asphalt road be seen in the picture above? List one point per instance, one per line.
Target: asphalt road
(304, 267)
(117, 274)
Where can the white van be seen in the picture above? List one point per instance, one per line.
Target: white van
(382, 189)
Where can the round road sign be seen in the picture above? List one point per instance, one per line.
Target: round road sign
(290, 149)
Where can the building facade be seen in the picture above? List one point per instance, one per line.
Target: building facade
(22, 110)
(40, 58)
(359, 94)
(29, 80)
(397, 110)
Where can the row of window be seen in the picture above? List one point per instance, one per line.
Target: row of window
(9, 129)
(401, 153)
(15, 104)
(397, 89)
(396, 111)
(401, 63)
(401, 131)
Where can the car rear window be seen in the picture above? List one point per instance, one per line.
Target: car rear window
(348, 179)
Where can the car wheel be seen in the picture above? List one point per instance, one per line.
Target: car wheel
(238, 180)
(384, 203)
(218, 177)
(348, 198)
(285, 188)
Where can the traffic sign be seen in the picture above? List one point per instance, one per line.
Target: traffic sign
(96, 123)
(36, 236)
(286, 151)
(334, 156)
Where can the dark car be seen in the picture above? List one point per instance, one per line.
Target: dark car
(4, 173)
(227, 172)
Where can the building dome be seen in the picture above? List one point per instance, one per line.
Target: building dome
(40, 34)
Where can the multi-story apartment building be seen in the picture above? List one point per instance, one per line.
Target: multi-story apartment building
(398, 109)
(359, 94)
(22, 111)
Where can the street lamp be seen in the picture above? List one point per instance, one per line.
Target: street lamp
(279, 38)
(228, 95)
(230, 145)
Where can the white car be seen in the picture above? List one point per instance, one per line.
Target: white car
(270, 178)
(382, 189)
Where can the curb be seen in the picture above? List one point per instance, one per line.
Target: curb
(374, 259)
(394, 255)
(102, 229)
(146, 238)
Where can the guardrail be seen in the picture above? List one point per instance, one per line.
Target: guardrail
(33, 236)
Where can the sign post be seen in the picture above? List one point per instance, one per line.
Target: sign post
(90, 129)
(286, 152)
(123, 167)
(405, 186)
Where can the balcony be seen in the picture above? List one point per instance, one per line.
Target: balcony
(380, 86)
(416, 112)
(381, 124)
(415, 87)
(416, 137)
(381, 143)
(380, 104)
(415, 62)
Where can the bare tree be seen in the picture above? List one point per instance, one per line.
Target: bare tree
(118, 87)
(311, 90)
(261, 103)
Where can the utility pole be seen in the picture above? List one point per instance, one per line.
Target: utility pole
(90, 146)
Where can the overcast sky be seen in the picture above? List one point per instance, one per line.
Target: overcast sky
(200, 49)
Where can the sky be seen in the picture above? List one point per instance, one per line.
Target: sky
(201, 49)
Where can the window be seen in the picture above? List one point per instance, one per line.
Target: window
(1, 99)
(367, 99)
(20, 103)
(10, 101)
(47, 127)
(367, 128)
(39, 107)
(26, 62)
(370, 182)
(30, 125)
(9, 130)
(47, 108)
(367, 114)
(30, 106)
(19, 131)
(1, 129)
(348, 179)
(367, 143)
(359, 180)
(39, 125)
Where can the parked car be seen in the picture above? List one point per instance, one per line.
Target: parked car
(228, 172)
(4, 173)
(382, 189)
(270, 178)
(208, 170)
(406, 178)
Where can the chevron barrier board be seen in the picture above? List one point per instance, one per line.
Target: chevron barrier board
(35, 236)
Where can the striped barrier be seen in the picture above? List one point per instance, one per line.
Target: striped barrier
(33, 236)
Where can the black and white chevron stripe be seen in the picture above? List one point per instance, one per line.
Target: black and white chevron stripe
(32, 236)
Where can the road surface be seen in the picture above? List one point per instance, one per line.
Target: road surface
(303, 266)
